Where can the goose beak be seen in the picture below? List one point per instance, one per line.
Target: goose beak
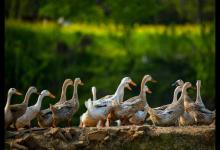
(81, 83)
(133, 83)
(18, 93)
(128, 87)
(51, 96)
(148, 91)
(154, 81)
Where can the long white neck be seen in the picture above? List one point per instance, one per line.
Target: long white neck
(183, 94)
(119, 93)
(27, 97)
(94, 93)
(175, 94)
(143, 82)
(75, 95)
(8, 101)
(198, 96)
(63, 93)
(39, 102)
(89, 105)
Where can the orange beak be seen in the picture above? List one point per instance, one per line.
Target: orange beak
(51, 96)
(18, 93)
(154, 81)
(133, 83)
(128, 87)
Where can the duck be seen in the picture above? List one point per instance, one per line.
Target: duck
(132, 105)
(197, 109)
(44, 117)
(179, 83)
(118, 96)
(100, 108)
(170, 115)
(32, 111)
(139, 117)
(86, 120)
(185, 118)
(7, 111)
(66, 110)
(18, 110)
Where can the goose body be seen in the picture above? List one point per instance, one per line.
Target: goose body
(129, 107)
(86, 120)
(117, 97)
(18, 110)
(32, 111)
(45, 116)
(66, 110)
(198, 110)
(7, 112)
(170, 115)
(175, 94)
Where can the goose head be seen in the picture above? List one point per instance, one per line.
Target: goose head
(187, 85)
(126, 81)
(47, 93)
(198, 83)
(78, 81)
(14, 91)
(178, 82)
(93, 89)
(147, 78)
(32, 89)
(68, 82)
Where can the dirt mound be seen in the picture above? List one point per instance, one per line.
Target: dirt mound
(124, 137)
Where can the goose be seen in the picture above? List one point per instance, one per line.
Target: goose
(7, 111)
(66, 110)
(201, 115)
(179, 83)
(100, 108)
(18, 110)
(32, 111)
(44, 117)
(139, 117)
(132, 105)
(170, 115)
(86, 120)
(118, 96)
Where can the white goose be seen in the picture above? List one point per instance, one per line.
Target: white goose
(45, 116)
(140, 116)
(170, 115)
(132, 105)
(99, 109)
(118, 96)
(32, 111)
(7, 111)
(86, 120)
(197, 109)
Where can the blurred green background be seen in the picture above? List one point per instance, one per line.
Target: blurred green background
(102, 41)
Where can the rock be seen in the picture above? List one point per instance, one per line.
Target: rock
(97, 135)
(123, 137)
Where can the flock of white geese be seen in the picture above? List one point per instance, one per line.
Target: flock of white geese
(110, 109)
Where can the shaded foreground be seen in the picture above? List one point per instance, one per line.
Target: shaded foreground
(124, 137)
